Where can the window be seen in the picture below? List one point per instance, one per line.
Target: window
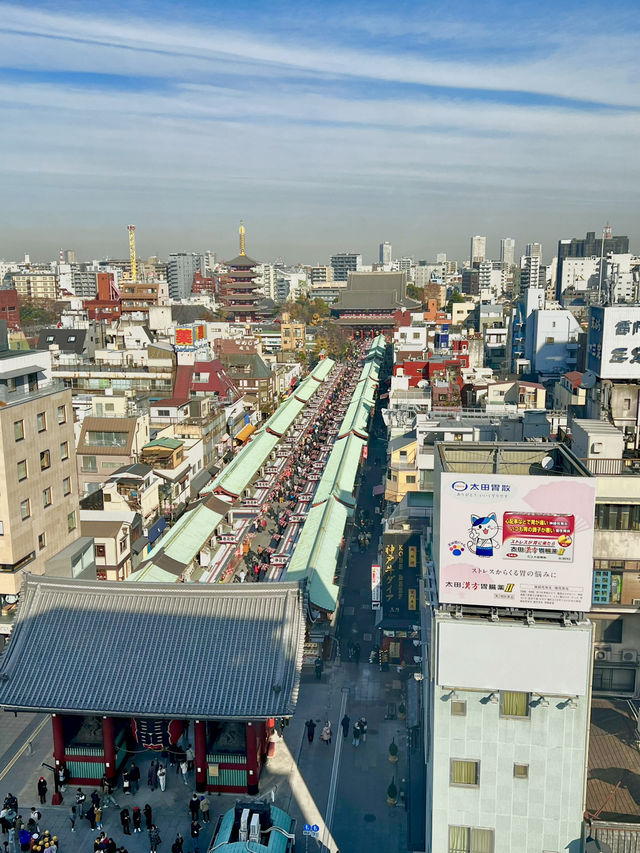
(62, 414)
(106, 497)
(18, 430)
(123, 543)
(66, 486)
(549, 340)
(614, 679)
(42, 541)
(41, 420)
(46, 497)
(514, 704)
(106, 438)
(403, 454)
(607, 630)
(468, 839)
(101, 551)
(45, 460)
(458, 708)
(411, 478)
(25, 509)
(617, 517)
(520, 771)
(71, 521)
(464, 772)
(64, 450)
(163, 413)
(89, 464)
(22, 470)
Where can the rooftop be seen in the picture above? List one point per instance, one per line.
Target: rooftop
(613, 783)
(530, 457)
(201, 651)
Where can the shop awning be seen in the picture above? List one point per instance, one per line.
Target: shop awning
(245, 432)
(139, 544)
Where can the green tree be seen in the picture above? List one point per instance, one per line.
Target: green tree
(456, 296)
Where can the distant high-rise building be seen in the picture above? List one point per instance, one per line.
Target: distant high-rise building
(68, 256)
(478, 250)
(181, 268)
(345, 262)
(441, 258)
(533, 250)
(591, 246)
(210, 260)
(385, 253)
(507, 251)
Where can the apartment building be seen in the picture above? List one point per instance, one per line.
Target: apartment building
(38, 489)
(36, 283)
(107, 444)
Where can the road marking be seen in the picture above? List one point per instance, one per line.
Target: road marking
(333, 785)
(24, 747)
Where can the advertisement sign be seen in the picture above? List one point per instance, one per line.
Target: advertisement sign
(516, 541)
(613, 346)
(184, 336)
(376, 589)
(201, 332)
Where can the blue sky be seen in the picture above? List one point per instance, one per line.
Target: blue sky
(326, 126)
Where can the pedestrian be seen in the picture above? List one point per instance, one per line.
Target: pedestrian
(311, 729)
(137, 819)
(73, 814)
(154, 839)
(98, 814)
(184, 769)
(91, 817)
(177, 846)
(363, 729)
(80, 801)
(126, 783)
(356, 733)
(162, 777)
(107, 788)
(195, 834)
(125, 820)
(111, 847)
(95, 798)
(345, 722)
(147, 815)
(134, 777)
(326, 733)
(42, 790)
(152, 775)
(318, 668)
(35, 815)
(194, 806)
(356, 653)
(190, 756)
(205, 806)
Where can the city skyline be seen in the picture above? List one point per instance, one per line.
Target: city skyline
(414, 125)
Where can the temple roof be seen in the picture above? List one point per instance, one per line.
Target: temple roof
(199, 651)
(242, 261)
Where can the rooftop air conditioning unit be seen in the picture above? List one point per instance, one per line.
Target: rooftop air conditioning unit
(629, 656)
(243, 834)
(602, 654)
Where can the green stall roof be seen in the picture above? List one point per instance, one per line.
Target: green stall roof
(239, 473)
(285, 415)
(340, 472)
(187, 536)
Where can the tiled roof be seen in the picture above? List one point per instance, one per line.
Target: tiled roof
(159, 650)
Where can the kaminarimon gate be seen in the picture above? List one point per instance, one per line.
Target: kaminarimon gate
(128, 668)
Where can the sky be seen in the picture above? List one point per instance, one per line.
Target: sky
(326, 126)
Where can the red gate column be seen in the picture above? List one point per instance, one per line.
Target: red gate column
(200, 749)
(58, 738)
(108, 740)
(252, 759)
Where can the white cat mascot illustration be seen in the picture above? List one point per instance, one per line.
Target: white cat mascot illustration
(483, 535)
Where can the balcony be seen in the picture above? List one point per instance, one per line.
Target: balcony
(25, 394)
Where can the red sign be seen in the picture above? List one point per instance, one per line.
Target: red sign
(184, 337)
(538, 536)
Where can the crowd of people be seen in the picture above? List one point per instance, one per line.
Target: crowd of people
(26, 835)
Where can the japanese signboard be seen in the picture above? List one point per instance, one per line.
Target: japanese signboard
(376, 589)
(184, 336)
(516, 541)
(399, 574)
(613, 346)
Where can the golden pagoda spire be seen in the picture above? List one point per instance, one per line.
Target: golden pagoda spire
(241, 232)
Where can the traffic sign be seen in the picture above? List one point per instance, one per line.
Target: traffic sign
(311, 829)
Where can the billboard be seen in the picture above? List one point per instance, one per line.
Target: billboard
(516, 541)
(613, 348)
(184, 336)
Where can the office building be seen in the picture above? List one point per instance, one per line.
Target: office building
(591, 246)
(507, 251)
(181, 268)
(35, 283)
(533, 250)
(345, 262)
(385, 254)
(38, 490)
(478, 250)
(507, 668)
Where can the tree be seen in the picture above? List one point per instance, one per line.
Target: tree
(415, 292)
(333, 339)
(456, 296)
(37, 313)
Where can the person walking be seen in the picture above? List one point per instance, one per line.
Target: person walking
(125, 820)
(42, 790)
(80, 801)
(178, 844)
(318, 666)
(326, 733)
(311, 729)
(148, 818)
(107, 790)
(126, 782)
(190, 755)
(137, 819)
(345, 722)
(95, 798)
(195, 834)
(134, 777)
(363, 729)
(194, 806)
(356, 653)
(162, 777)
(152, 775)
(73, 814)
(356, 733)
(154, 839)
(205, 806)
(184, 769)
(91, 817)
(97, 810)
